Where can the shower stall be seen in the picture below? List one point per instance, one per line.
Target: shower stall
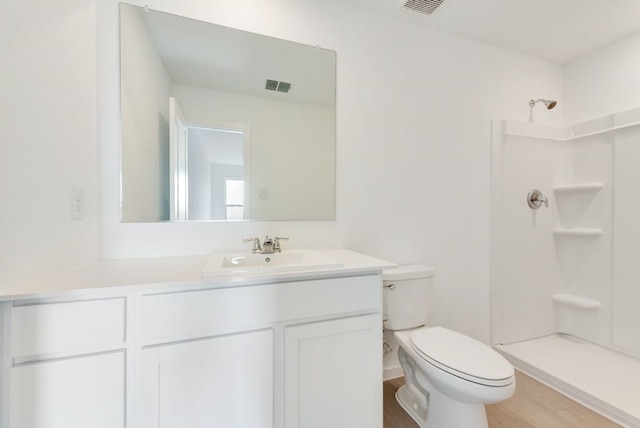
(565, 278)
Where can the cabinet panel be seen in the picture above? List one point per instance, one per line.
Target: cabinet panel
(59, 327)
(204, 313)
(76, 392)
(333, 374)
(219, 382)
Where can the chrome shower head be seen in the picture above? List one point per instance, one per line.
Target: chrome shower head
(549, 104)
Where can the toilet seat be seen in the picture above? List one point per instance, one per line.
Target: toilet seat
(462, 356)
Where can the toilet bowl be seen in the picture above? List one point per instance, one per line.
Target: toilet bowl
(449, 377)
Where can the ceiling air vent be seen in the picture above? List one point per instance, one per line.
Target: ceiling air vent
(274, 85)
(422, 6)
(271, 85)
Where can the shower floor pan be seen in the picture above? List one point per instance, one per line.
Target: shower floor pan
(600, 378)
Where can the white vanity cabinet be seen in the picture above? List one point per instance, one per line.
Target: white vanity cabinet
(295, 354)
(279, 351)
(65, 364)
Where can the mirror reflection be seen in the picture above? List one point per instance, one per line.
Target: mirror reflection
(222, 124)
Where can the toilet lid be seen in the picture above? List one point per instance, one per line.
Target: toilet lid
(462, 356)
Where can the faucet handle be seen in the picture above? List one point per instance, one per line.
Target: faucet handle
(276, 243)
(256, 244)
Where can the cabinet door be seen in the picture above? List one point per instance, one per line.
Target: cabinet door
(75, 392)
(333, 374)
(223, 381)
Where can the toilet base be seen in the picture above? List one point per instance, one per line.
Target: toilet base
(445, 412)
(416, 410)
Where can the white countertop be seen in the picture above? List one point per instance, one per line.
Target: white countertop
(169, 274)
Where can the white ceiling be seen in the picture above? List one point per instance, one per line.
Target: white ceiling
(555, 30)
(206, 55)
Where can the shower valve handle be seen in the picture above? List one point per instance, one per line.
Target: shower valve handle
(535, 199)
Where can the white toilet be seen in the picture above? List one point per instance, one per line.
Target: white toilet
(449, 377)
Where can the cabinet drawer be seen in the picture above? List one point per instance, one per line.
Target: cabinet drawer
(67, 327)
(180, 316)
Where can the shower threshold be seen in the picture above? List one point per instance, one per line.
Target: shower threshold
(602, 379)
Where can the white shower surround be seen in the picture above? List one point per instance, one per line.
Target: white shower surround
(569, 268)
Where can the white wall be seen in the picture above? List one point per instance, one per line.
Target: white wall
(47, 138)
(414, 109)
(603, 82)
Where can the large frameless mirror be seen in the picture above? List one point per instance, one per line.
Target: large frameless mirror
(222, 124)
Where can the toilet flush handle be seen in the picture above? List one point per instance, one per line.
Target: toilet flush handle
(390, 286)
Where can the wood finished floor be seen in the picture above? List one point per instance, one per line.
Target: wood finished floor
(534, 405)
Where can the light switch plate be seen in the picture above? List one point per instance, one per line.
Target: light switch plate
(76, 203)
(263, 193)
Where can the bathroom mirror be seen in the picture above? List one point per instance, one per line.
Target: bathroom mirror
(222, 124)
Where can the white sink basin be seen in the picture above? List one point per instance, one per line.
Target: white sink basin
(251, 264)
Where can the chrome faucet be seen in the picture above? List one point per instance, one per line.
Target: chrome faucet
(269, 245)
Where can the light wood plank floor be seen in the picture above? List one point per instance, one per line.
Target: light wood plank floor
(534, 405)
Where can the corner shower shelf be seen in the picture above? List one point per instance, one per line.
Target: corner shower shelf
(576, 301)
(577, 232)
(575, 189)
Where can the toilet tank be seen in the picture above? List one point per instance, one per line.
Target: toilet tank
(407, 296)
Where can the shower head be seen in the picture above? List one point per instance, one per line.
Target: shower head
(549, 104)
